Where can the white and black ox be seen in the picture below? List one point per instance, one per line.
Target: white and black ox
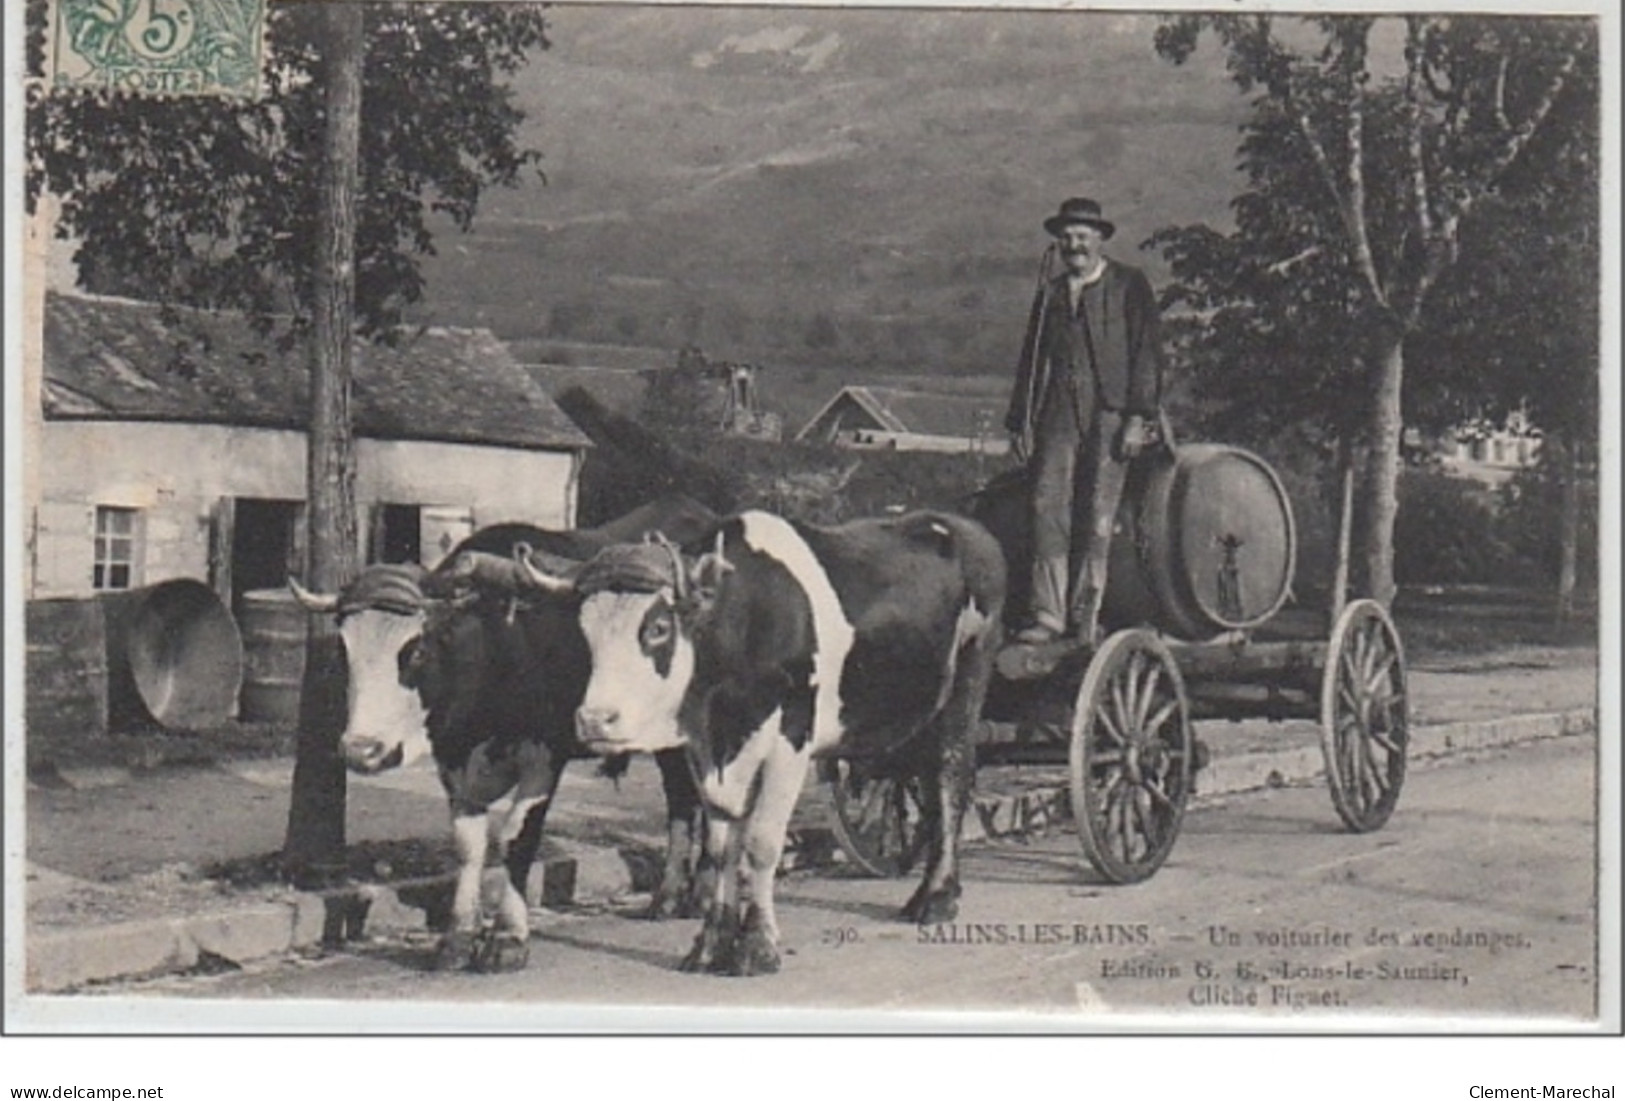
(487, 679)
(767, 643)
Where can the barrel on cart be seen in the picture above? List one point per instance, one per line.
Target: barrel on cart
(1202, 560)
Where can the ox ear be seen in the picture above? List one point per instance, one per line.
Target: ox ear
(313, 602)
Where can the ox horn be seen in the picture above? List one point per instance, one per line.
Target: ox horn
(536, 569)
(679, 569)
(314, 602)
(712, 567)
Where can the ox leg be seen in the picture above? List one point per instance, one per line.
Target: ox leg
(518, 839)
(948, 787)
(782, 778)
(679, 892)
(719, 931)
(460, 944)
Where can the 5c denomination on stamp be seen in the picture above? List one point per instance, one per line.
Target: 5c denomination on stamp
(158, 47)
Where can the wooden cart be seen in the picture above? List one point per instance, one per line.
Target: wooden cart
(1205, 646)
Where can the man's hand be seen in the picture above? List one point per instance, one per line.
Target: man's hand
(1018, 448)
(1133, 438)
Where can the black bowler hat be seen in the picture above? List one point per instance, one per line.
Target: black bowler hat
(1075, 212)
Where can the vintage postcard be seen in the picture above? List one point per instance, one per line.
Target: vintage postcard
(1017, 519)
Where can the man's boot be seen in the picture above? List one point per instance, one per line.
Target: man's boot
(1049, 597)
(1086, 617)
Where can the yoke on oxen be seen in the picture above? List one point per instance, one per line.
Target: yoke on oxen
(479, 668)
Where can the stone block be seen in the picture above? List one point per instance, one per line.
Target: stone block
(67, 960)
(245, 934)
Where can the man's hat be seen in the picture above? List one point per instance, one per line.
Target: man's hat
(1075, 212)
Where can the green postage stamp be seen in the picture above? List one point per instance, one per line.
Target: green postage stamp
(158, 47)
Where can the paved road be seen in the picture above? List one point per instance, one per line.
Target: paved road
(1477, 900)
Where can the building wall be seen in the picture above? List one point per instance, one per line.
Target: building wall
(914, 441)
(175, 474)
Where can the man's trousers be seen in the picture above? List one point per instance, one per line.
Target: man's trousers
(1075, 480)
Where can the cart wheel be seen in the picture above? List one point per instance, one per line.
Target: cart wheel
(1364, 724)
(879, 819)
(1131, 756)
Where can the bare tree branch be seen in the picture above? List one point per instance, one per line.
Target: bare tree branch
(1355, 215)
(1443, 245)
(1443, 249)
(1520, 137)
(1501, 120)
(1414, 64)
(1281, 267)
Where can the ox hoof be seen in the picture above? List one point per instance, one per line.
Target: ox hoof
(931, 907)
(754, 954)
(677, 904)
(504, 952)
(457, 951)
(700, 956)
(715, 947)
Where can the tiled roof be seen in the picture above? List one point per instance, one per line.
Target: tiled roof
(617, 388)
(920, 412)
(114, 358)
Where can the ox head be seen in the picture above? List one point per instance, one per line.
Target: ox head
(640, 607)
(499, 657)
(381, 616)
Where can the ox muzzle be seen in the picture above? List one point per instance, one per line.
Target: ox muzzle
(369, 756)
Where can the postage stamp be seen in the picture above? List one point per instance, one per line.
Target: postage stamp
(158, 47)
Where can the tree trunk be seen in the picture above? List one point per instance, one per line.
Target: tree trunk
(313, 850)
(1568, 528)
(1382, 472)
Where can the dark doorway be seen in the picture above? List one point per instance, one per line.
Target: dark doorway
(263, 545)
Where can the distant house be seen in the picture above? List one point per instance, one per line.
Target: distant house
(907, 420)
(1487, 453)
(173, 446)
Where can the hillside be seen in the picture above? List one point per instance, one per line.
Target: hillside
(846, 188)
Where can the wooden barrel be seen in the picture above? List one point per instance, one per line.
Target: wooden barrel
(273, 627)
(1205, 543)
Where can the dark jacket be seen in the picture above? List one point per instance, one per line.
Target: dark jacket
(1126, 341)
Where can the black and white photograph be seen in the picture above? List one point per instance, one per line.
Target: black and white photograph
(679, 518)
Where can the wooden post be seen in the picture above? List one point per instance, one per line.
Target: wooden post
(313, 850)
(222, 529)
(1345, 525)
(1568, 525)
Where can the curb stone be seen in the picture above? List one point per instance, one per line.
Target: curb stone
(573, 873)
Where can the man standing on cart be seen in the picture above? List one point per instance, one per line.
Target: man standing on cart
(1086, 403)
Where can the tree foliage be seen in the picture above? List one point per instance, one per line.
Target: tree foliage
(212, 202)
(1378, 157)
(1283, 306)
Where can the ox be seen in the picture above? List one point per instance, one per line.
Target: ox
(768, 643)
(487, 684)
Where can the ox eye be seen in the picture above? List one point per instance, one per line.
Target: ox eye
(657, 631)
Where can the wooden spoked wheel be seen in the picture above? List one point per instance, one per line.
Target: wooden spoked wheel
(1131, 756)
(1364, 716)
(879, 819)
